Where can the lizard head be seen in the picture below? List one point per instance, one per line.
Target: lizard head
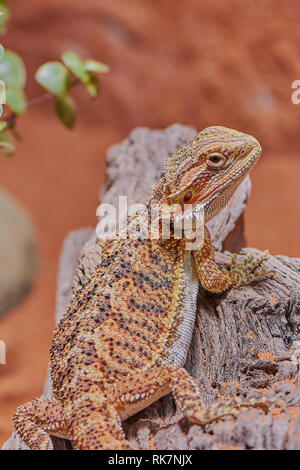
(206, 173)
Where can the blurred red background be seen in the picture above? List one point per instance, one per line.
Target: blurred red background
(198, 63)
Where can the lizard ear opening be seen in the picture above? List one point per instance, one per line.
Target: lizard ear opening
(168, 190)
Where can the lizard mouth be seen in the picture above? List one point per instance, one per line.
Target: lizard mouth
(215, 200)
(197, 212)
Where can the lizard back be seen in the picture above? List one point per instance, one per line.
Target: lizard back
(128, 317)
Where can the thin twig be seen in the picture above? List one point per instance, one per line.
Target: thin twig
(12, 116)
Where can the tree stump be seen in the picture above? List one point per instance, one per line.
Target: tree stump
(246, 342)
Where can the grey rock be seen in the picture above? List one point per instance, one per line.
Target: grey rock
(18, 253)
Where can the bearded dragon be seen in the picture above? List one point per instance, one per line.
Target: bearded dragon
(123, 341)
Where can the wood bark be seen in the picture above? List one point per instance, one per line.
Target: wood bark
(246, 342)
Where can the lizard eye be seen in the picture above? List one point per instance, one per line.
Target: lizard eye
(215, 160)
(188, 195)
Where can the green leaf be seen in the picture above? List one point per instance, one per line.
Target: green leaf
(93, 87)
(54, 77)
(76, 65)
(4, 18)
(3, 125)
(15, 100)
(65, 110)
(2, 92)
(95, 66)
(13, 74)
(7, 148)
(12, 70)
(2, 52)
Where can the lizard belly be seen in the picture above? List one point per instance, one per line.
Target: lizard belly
(178, 352)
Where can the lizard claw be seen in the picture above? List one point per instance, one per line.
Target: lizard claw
(245, 272)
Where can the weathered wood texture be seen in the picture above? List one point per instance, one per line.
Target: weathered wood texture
(246, 342)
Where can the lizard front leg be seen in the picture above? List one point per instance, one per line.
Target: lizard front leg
(216, 279)
(36, 420)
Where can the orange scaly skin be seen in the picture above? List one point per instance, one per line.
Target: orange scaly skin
(123, 341)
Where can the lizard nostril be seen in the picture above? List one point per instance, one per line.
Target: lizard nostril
(188, 196)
